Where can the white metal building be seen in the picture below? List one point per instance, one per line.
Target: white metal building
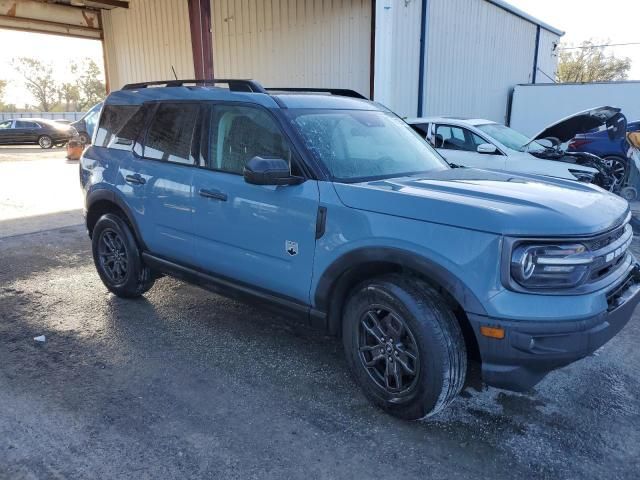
(435, 57)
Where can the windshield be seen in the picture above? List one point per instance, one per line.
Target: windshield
(510, 138)
(358, 145)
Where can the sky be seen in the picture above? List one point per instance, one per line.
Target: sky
(615, 20)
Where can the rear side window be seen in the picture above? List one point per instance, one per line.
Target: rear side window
(22, 124)
(119, 126)
(170, 134)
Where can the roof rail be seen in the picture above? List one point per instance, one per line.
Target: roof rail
(235, 85)
(343, 92)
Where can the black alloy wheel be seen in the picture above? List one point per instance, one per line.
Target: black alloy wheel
(388, 350)
(113, 256)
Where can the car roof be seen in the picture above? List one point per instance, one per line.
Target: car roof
(137, 96)
(450, 120)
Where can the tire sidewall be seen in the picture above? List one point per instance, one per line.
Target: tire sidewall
(425, 395)
(134, 262)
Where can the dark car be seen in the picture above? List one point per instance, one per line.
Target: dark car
(597, 142)
(29, 131)
(87, 124)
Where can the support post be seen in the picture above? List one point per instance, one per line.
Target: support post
(201, 42)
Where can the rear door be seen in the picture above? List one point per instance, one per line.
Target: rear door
(27, 132)
(165, 164)
(263, 236)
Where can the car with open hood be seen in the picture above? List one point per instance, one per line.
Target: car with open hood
(329, 208)
(485, 144)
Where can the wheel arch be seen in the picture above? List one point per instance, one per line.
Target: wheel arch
(103, 201)
(345, 273)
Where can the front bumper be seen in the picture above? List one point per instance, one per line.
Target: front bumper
(530, 350)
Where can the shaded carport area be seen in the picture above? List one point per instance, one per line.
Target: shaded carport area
(187, 384)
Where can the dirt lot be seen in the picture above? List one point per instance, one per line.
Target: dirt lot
(186, 384)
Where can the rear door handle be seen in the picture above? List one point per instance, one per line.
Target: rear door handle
(214, 194)
(135, 179)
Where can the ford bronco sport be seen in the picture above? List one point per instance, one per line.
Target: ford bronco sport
(330, 208)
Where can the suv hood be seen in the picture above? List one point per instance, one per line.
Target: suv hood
(491, 201)
(582, 122)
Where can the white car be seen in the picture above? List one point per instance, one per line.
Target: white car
(482, 143)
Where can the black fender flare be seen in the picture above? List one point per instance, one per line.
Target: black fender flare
(103, 194)
(335, 282)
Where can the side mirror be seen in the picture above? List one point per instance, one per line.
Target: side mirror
(487, 148)
(269, 171)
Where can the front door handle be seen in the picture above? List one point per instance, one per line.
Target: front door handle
(135, 179)
(214, 194)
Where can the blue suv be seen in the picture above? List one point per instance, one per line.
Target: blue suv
(327, 207)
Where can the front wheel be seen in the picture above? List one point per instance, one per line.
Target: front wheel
(45, 141)
(618, 168)
(117, 258)
(404, 346)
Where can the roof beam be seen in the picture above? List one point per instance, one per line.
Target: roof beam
(35, 16)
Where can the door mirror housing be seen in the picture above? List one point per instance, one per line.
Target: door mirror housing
(487, 149)
(269, 171)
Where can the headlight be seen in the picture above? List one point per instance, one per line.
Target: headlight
(582, 176)
(550, 266)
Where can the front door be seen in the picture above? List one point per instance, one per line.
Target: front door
(7, 132)
(259, 235)
(460, 146)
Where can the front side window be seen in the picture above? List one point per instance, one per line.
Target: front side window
(6, 124)
(170, 134)
(239, 133)
(454, 138)
(355, 145)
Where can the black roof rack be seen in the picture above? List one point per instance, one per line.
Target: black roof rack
(343, 92)
(237, 85)
(234, 84)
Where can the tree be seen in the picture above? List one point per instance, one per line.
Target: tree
(91, 89)
(3, 86)
(589, 63)
(39, 81)
(69, 95)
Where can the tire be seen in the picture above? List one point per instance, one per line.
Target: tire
(45, 141)
(618, 168)
(113, 242)
(431, 334)
(84, 138)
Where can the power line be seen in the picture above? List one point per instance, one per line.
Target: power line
(600, 46)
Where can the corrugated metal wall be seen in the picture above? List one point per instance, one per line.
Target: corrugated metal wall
(294, 43)
(476, 52)
(397, 62)
(145, 40)
(547, 57)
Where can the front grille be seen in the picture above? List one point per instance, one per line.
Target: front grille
(610, 250)
(605, 239)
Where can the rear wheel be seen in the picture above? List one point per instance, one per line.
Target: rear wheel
(117, 258)
(45, 141)
(84, 138)
(404, 346)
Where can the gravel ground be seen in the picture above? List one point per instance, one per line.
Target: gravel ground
(186, 384)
